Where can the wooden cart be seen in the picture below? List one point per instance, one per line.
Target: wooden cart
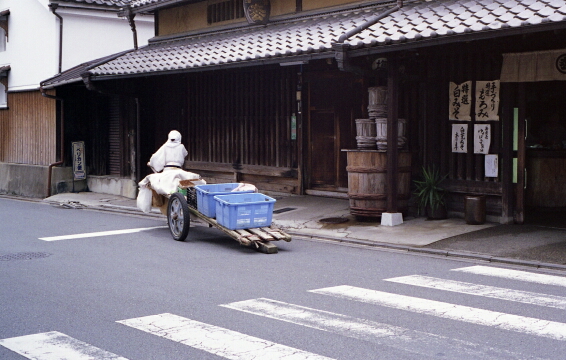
(180, 206)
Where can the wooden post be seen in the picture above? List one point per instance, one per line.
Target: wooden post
(392, 134)
(521, 154)
(507, 154)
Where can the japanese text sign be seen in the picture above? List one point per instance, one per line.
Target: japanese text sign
(487, 100)
(460, 101)
(482, 138)
(460, 138)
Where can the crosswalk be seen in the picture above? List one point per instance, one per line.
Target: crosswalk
(230, 344)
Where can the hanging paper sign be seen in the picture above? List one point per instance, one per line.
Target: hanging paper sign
(482, 138)
(257, 11)
(491, 165)
(460, 138)
(79, 160)
(487, 100)
(460, 101)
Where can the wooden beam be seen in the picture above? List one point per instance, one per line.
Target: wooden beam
(243, 169)
(473, 187)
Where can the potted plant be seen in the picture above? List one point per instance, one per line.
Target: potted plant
(430, 195)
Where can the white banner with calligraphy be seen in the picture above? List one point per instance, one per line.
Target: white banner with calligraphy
(460, 138)
(460, 101)
(487, 100)
(482, 138)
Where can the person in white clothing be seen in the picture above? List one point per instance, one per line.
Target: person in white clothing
(170, 155)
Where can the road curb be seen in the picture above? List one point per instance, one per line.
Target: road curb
(411, 249)
(437, 252)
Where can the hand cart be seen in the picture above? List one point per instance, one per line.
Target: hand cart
(181, 205)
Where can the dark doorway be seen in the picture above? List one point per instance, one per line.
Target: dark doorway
(545, 162)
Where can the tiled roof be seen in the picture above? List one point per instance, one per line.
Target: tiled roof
(117, 3)
(73, 74)
(417, 21)
(138, 3)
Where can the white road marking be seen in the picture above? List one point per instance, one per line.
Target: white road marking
(522, 324)
(515, 275)
(425, 344)
(216, 340)
(101, 233)
(56, 346)
(525, 297)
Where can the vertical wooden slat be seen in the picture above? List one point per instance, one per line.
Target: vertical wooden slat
(29, 128)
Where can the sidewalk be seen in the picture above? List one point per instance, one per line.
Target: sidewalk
(301, 216)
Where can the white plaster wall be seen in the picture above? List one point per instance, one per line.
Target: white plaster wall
(31, 45)
(88, 36)
(32, 49)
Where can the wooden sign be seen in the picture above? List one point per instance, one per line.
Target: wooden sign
(79, 166)
(257, 11)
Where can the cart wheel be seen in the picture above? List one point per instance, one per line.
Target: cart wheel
(178, 216)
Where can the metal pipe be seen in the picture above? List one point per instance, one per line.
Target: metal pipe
(130, 15)
(53, 7)
(62, 140)
(373, 20)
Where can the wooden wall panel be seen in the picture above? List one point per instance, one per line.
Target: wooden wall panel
(241, 118)
(28, 129)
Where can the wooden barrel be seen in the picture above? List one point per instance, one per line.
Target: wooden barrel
(381, 133)
(367, 182)
(366, 132)
(377, 105)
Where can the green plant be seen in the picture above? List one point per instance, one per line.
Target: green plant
(428, 192)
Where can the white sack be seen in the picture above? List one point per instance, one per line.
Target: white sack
(245, 187)
(144, 199)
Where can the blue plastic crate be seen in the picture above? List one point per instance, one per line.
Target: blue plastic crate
(205, 196)
(244, 211)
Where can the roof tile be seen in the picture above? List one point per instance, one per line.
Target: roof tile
(416, 21)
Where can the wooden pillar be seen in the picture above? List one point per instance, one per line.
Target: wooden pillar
(521, 154)
(507, 153)
(392, 134)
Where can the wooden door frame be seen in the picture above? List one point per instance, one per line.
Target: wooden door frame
(309, 158)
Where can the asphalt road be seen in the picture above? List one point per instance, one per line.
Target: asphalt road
(141, 295)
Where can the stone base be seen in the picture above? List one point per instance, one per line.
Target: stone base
(391, 219)
(113, 186)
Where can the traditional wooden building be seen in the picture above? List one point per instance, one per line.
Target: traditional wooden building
(38, 39)
(271, 96)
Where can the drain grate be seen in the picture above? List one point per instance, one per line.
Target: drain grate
(24, 256)
(333, 220)
(282, 210)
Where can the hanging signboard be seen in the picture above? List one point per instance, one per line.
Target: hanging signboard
(79, 165)
(460, 101)
(487, 100)
(491, 165)
(460, 138)
(482, 138)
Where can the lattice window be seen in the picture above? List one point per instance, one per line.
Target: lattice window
(218, 11)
